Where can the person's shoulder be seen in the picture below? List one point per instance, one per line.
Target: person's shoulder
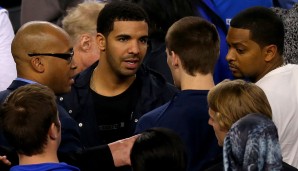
(150, 117)
(4, 92)
(3, 95)
(3, 10)
(157, 111)
(290, 67)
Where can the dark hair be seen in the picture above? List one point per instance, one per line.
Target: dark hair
(158, 149)
(265, 26)
(119, 11)
(163, 13)
(196, 41)
(26, 117)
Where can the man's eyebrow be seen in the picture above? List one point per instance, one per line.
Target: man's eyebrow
(142, 37)
(237, 43)
(123, 35)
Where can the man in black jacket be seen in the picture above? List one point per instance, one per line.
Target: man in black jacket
(43, 55)
(110, 96)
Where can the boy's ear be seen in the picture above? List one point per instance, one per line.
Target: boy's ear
(101, 41)
(270, 52)
(53, 132)
(175, 59)
(37, 64)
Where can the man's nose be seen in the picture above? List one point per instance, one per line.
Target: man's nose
(134, 47)
(230, 55)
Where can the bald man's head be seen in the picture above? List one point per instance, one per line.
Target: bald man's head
(45, 42)
(37, 37)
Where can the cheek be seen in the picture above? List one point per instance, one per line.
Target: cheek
(216, 128)
(249, 58)
(77, 59)
(221, 137)
(245, 64)
(63, 74)
(143, 48)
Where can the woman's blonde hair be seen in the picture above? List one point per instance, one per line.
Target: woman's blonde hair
(232, 100)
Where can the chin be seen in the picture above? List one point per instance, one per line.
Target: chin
(129, 73)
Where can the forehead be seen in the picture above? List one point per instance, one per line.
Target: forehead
(237, 35)
(59, 40)
(131, 28)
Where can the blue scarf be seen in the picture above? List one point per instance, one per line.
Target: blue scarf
(252, 145)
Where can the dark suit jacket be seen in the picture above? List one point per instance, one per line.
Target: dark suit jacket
(71, 150)
(155, 91)
(70, 136)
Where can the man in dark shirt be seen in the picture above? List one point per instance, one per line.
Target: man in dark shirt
(43, 55)
(191, 58)
(108, 98)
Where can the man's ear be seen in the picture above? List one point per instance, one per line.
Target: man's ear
(38, 64)
(85, 42)
(101, 41)
(270, 52)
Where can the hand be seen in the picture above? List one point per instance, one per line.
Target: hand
(121, 150)
(5, 160)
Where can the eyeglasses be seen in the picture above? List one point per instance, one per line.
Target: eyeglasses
(66, 56)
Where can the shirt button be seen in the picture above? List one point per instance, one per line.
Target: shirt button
(136, 120)
(70, 111)
(61, 98)
(80, 124)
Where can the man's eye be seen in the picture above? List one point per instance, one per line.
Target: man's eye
(122, 39)
(241, 51)
(144, 40)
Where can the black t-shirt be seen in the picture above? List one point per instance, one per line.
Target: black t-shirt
(114, 113)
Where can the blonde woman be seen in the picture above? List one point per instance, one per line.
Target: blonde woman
(241, 118)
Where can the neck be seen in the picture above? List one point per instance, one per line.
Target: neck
(197, 82)
(33, 76)
(278, 62)
(109, 84)
(46, 157)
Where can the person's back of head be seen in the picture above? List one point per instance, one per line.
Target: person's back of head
(27, 115)
(158, 149)
(252, 144)
(232, 100)
(119, 11)
(196, 42)
(265, 26)
(82, 19)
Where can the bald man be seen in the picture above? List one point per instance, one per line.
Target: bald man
(43, 55)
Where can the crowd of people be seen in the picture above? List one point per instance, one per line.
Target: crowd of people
(150, 85)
